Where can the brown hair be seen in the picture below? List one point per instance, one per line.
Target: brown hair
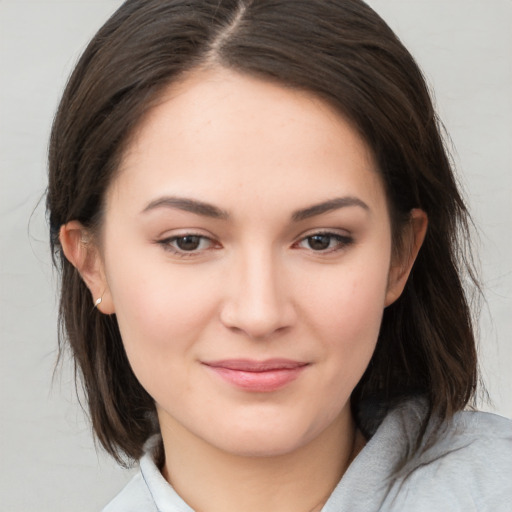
(339, 50)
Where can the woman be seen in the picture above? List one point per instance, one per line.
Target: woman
(256, 222)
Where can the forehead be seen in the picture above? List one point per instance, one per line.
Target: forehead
(228, 135)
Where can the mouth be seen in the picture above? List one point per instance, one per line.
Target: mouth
(257, 376)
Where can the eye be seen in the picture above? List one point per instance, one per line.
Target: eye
(188, 244)
(325, 242)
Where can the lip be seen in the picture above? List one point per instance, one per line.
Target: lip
(257, 376)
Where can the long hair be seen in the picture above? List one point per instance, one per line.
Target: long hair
(342, 52)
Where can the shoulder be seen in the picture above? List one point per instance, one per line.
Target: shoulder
(477, 438)
(461, 465)
(465, 464)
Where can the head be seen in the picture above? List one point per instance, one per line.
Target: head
(341, 58)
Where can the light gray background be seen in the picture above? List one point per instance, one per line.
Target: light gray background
(48, 458)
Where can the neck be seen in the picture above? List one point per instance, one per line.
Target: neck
(211, 480)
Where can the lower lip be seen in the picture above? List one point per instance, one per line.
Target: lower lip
(259, 382)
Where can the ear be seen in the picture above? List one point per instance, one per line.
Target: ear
(81, 251)
(412, 239)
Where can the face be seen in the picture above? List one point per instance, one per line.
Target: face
(246, 251)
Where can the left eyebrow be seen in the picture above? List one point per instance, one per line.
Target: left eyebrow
(328, 206)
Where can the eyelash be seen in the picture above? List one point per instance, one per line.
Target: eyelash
(342, 242)
(166, 243)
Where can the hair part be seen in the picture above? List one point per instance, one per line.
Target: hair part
(342, 52)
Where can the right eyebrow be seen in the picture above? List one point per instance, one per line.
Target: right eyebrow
(188, 205)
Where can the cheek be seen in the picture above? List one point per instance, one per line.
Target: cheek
(350, 303)
(161, 310)
(346, 311)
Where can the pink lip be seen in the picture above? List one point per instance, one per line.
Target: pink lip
(257, 376)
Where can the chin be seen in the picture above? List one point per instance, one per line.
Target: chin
(250, 448)
(262, 442)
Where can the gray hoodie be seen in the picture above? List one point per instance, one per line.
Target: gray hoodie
(468, 467)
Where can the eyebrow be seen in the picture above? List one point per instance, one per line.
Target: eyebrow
(328, 206)
(209, 210)
(188, 205)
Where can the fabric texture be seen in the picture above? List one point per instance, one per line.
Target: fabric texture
(467, 468)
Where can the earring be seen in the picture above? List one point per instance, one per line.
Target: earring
(98, 302)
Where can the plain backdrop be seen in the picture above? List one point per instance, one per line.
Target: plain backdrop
(49, 461)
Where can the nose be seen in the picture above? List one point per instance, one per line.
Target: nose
(257, 299)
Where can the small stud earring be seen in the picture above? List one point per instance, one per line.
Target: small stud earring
(98, 302)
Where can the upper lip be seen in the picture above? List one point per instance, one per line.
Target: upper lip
(250, 365)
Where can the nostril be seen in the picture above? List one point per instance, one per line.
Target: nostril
(256, 321)
(256, 296)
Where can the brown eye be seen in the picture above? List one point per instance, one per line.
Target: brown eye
(325, 242)
(319, 242)
(188, 243)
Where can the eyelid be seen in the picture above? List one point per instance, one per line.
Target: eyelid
(166, 243)
(324, 231)
(343, 233)
(345, 239)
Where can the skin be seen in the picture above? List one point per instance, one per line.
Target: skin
(255, 285)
